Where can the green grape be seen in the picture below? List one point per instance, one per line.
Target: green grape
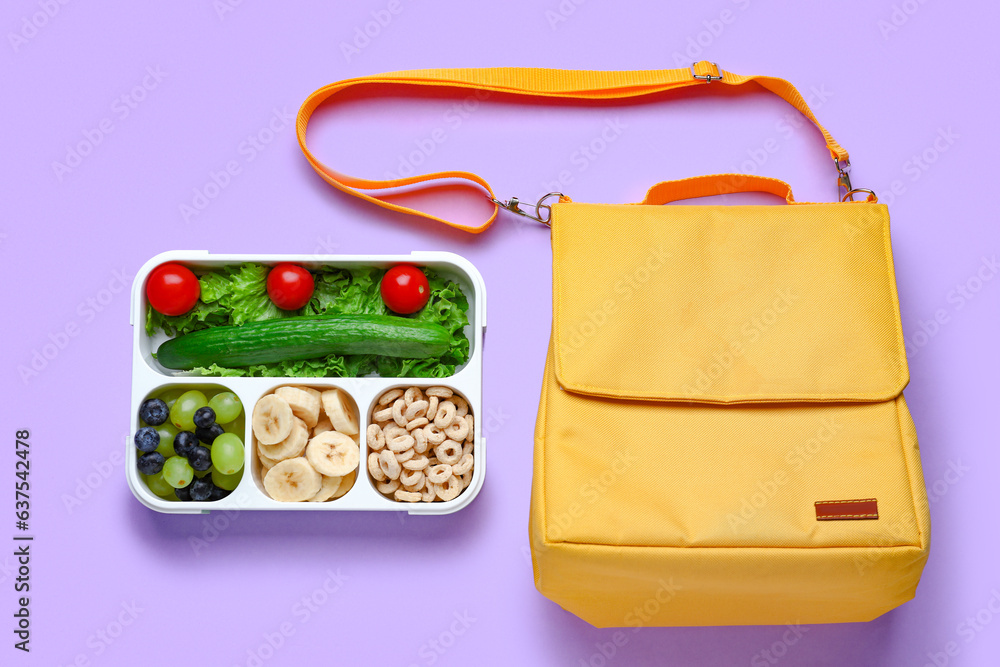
(167, 432)
(170, 396)
(158, 485)
(182, 412)
(227, 407)
(178, 472)
(227, 453)
(203, 473)
(227, 482)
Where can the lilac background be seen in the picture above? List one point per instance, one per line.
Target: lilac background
(886, 94)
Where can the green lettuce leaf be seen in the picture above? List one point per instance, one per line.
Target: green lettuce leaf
(235, 295)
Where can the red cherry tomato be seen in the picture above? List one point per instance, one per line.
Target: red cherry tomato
(404, 289)
(290, 286)
(172, 289)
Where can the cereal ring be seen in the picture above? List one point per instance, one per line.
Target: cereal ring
(393, 430)
(412, 395)
(390, 396)
(472, 427)
(450, 489)
(401, 443)
(464, 465)
(405, 455)
(387, 487)
(414, 410)
(407, 496)
(417, 462)
(449, 452)
(458, 429)
(375, 469)
(445, 414)
(382, 415)
(440, 392)
(419, 422)
(467, 448)
(421, 441)
(376, 438)
(438, 473)
(435, 435)
(466, 479)
(397, 411)
(432, 406)
(412, 478)
(461, 405)
(432, 461)
(429, 493)
(389, 465)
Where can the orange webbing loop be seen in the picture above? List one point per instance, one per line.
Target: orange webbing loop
(535, 82)
(716, 184)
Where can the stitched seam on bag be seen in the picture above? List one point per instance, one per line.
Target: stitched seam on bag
(902, 369)
(917, 547)
(909, 473)
(898, 384)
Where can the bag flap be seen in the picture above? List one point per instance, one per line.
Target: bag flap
(726, 304)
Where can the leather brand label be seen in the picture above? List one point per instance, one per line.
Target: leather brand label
(846, 510)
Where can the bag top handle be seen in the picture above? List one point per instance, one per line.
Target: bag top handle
(538, 82)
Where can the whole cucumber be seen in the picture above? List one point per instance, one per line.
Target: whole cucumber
(295, 338)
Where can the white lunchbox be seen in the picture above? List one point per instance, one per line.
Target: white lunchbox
(149, 378)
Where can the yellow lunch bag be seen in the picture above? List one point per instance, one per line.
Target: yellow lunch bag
(722, 437)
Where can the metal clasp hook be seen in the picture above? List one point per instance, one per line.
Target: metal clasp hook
(514, 206)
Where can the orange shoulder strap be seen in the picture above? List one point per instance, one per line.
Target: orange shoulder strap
(536, 82)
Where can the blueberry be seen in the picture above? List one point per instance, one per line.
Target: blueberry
(184, 443)
(208, 435)
(153, 411)
(204, 417)
(218, 493)
(184, 493)
(151, 463)
(201, 488)
(147, 439)
(200, 458)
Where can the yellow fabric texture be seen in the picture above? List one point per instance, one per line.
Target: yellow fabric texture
(729, 368)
